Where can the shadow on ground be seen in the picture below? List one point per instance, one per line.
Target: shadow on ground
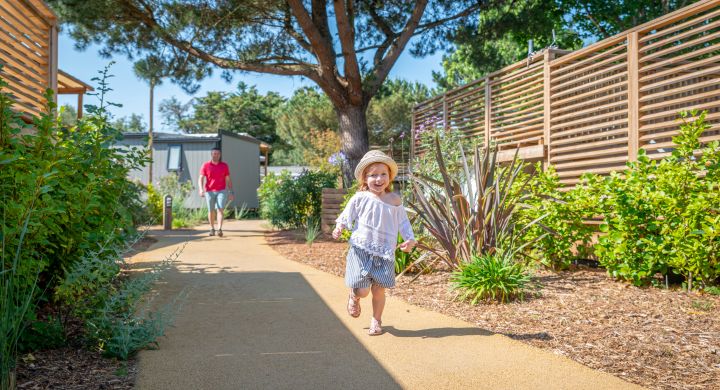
(242, 330)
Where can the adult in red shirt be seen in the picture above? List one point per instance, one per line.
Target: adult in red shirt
(215, 185)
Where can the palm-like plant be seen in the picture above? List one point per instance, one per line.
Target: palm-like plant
(471, 215)
(151, 69)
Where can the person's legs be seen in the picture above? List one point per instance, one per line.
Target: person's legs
(378, 301)
(220, 208)
(211, 199)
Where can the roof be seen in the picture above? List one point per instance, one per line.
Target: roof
(68, 84)
(200, 137)
(173, 137)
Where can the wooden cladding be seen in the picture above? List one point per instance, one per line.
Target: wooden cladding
(28, 52)
(593, 109)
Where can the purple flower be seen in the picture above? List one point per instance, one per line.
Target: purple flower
(402, 135)
(337, 158)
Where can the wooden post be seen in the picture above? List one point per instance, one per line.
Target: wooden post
(488, 102)
(446, 126)
(412, 140)
(546, 105)
(633, 96)
(53, 61)
(80, 105)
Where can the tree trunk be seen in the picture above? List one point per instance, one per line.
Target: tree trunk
(150, 134)
(353, 136)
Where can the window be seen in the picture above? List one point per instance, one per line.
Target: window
(174, 158)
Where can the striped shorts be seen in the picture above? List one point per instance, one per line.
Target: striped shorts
(363, 270)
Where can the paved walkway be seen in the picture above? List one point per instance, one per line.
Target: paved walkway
(255, 320)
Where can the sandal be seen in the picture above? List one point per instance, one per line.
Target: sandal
(353, 306)
(212, 232)
(220, 233)
(375, 327)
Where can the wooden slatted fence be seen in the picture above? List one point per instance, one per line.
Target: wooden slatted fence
(28, 52)
(592, 109)
(332, 198)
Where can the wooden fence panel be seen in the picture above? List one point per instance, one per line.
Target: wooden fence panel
(517, 104)
(679, 69)
(589, 111)
(332, 198)
(593, 109)
(28, 52)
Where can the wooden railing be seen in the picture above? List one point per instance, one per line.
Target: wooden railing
(592, 109)
(28, 52)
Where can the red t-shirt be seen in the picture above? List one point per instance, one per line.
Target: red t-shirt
(215, 174)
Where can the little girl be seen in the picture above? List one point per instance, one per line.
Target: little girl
(375, 215)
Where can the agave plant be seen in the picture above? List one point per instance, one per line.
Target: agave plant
(471, 215)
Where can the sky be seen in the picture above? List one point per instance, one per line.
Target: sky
(133, 93)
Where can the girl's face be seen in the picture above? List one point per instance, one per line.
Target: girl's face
(377, 178)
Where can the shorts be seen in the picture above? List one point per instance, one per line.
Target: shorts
(364, 270)
(215, 200)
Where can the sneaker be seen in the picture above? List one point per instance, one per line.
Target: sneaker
(375, 328)
(212, 232)
(353, 306)
(220, 234)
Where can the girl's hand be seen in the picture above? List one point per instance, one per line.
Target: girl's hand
(408, 246)
(337, 232)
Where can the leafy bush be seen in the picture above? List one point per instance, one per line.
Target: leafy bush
(288, 202)
(563, 235)
(491, 277)
(663, 217)
(74, 181)
(154, 204)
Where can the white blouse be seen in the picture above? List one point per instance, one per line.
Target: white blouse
(375, 224)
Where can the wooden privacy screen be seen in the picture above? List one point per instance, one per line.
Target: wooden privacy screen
(28, 52)
(591, 110)
(331, 200)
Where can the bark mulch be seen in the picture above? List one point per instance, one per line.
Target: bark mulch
(661, 339)
(73, 366)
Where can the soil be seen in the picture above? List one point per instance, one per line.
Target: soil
(657, 338)
(74, 366)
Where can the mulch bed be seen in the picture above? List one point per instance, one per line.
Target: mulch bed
(661, 339)
(75, 367)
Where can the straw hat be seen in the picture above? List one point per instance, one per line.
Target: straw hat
(375, 156)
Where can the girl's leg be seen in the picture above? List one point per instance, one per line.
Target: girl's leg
(378, 301)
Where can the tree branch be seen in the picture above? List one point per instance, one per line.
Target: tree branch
(346, 31)
(321, 47)
(381, 71)
(296, 68)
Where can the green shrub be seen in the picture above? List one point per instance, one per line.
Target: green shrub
(663, 217)
(74, 180)
(40, 335)
(491, 277)
(288, 202)
(154, 204)
(563, 235)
